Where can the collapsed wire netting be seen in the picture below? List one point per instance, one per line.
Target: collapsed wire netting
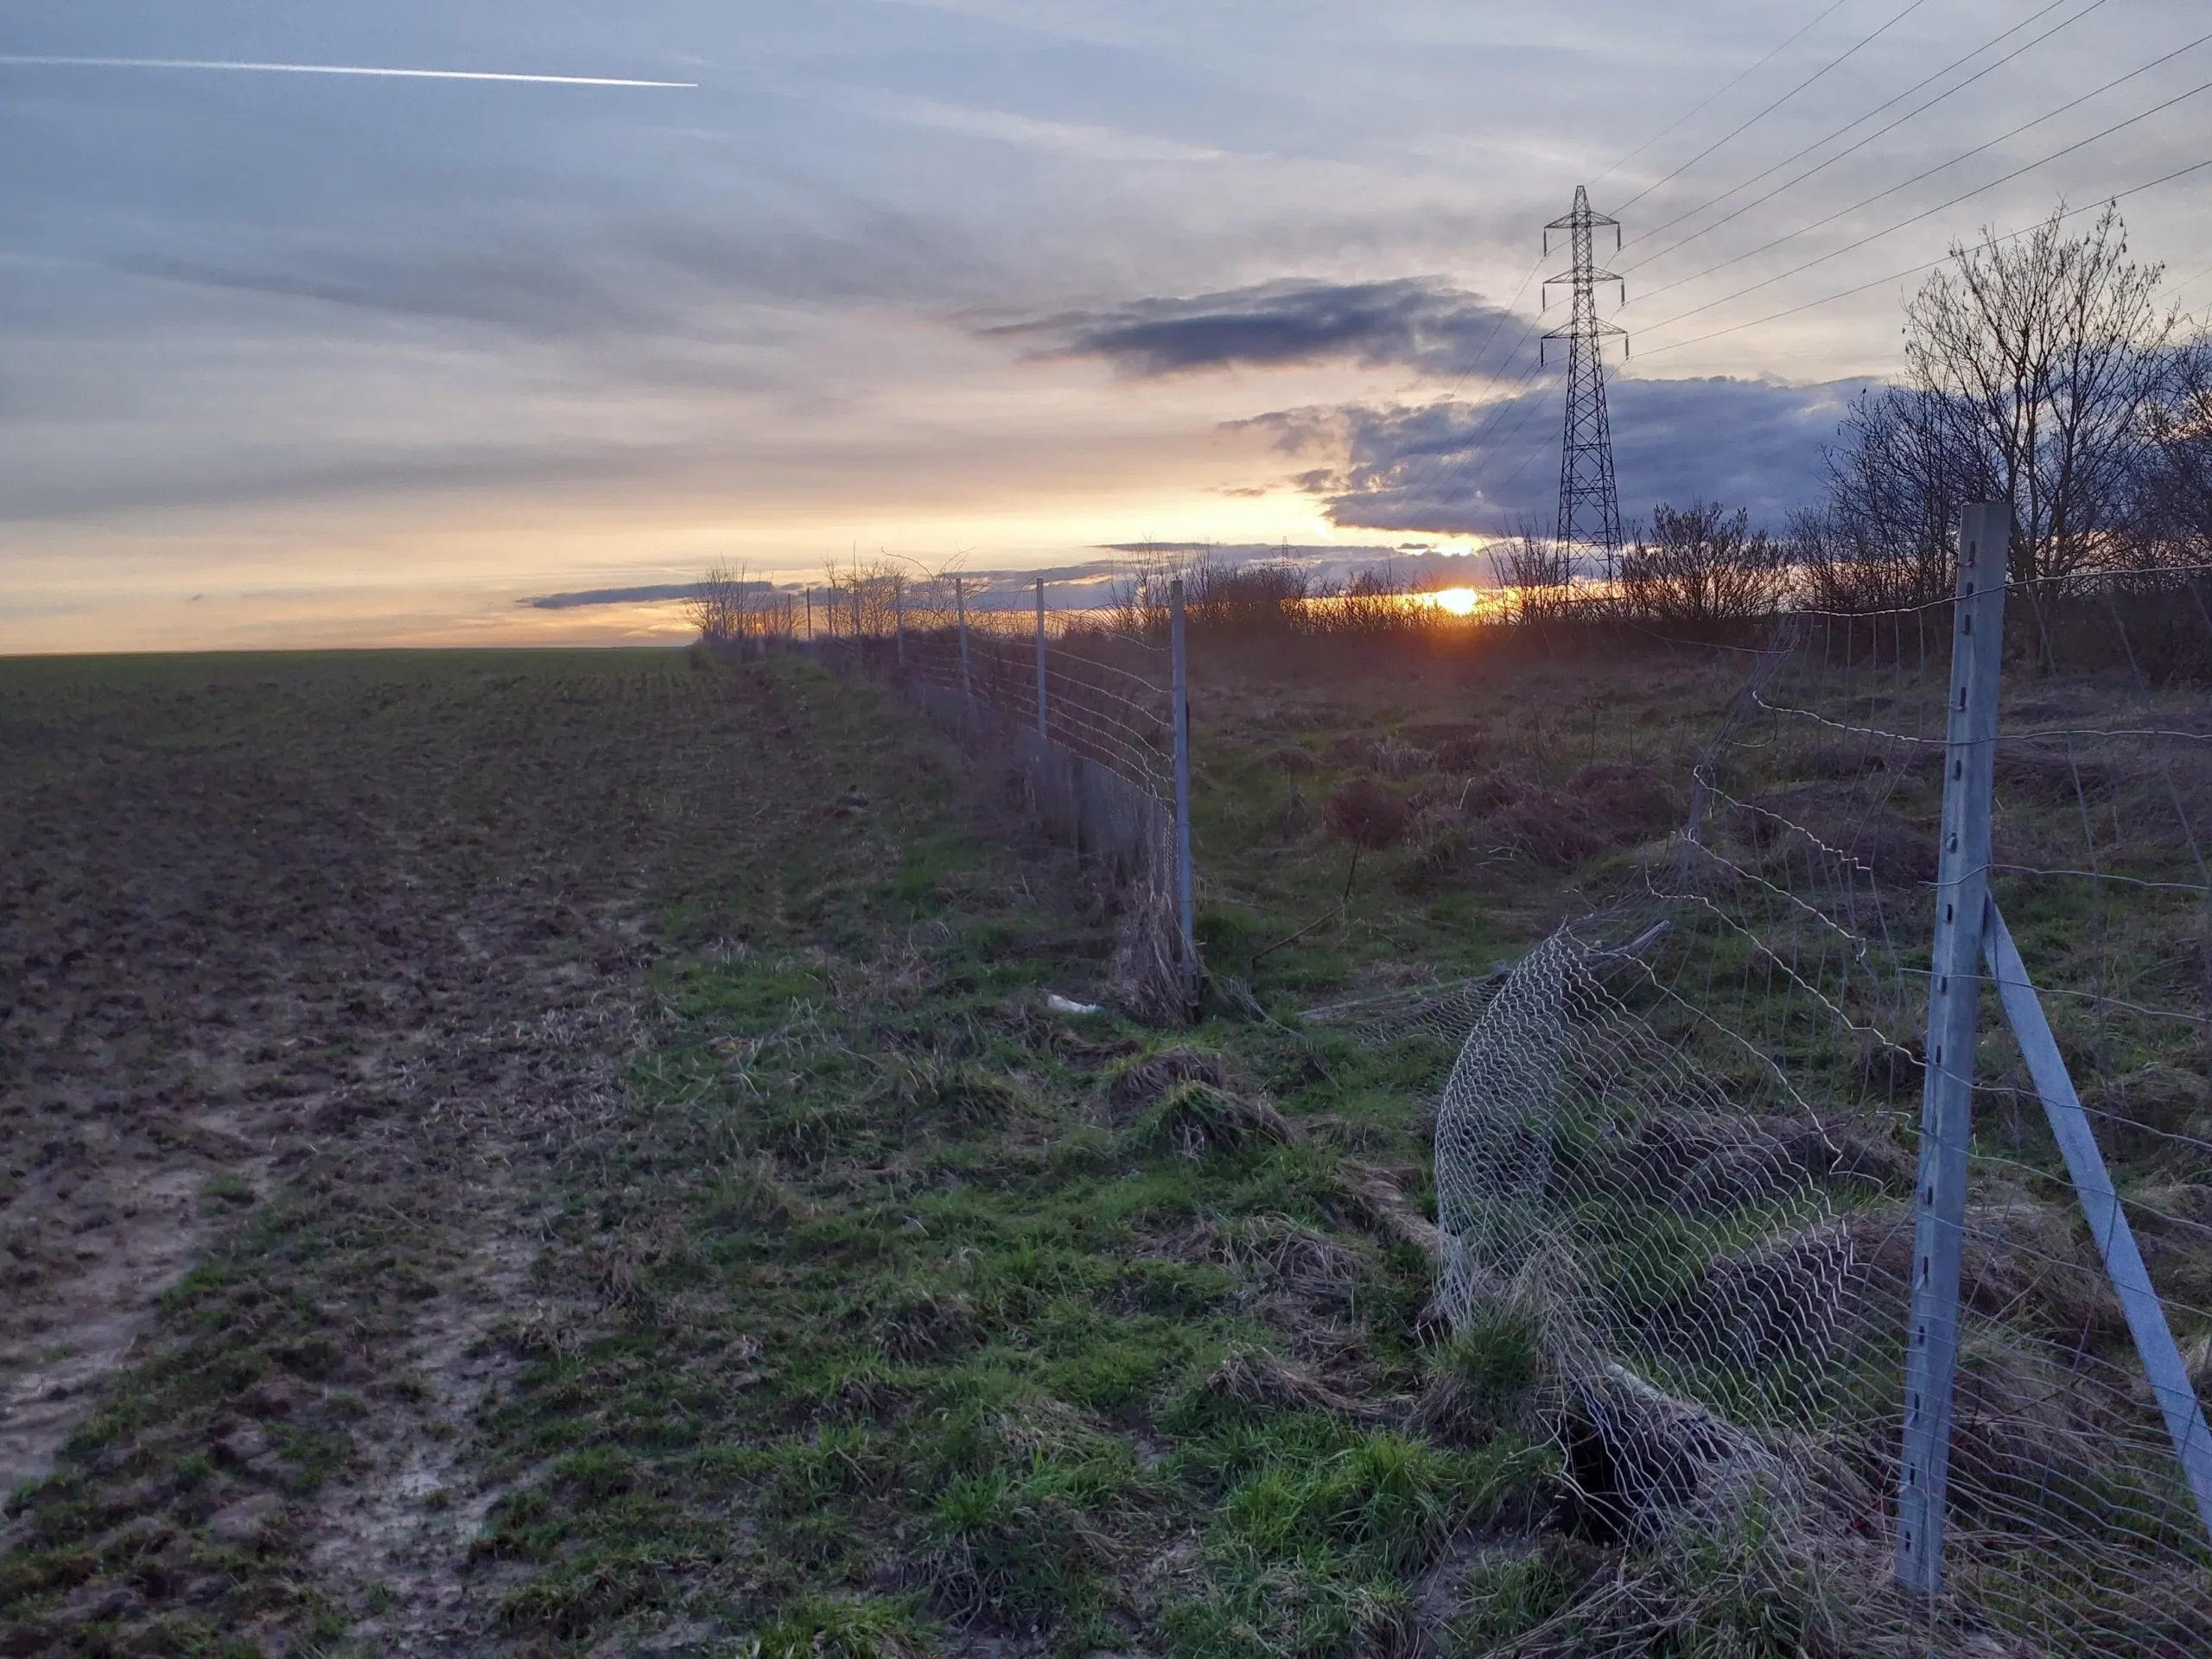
(1683, 1132)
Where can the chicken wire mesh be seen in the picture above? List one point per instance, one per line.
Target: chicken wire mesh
(1683, 1130)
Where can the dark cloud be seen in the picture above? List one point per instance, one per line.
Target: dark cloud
(666, 590)
(1451, 466)
(1419, 321)
(539, 469)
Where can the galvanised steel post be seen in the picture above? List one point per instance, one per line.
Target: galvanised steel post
(1947, 1096)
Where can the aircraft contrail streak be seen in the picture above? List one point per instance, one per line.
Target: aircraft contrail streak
(329, 69)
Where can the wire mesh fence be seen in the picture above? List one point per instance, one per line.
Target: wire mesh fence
(1087, 719)
(1685, 1136)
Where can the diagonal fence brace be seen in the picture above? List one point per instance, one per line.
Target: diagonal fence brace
(2078, 1144)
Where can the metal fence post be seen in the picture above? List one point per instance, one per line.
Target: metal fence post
(2131, 1280)
(1185, 921)
(1043, 730)
(899, 619)
(960, 608)
(1954, 989)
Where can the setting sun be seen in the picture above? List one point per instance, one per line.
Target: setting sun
(1461, 601)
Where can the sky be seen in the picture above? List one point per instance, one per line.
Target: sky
(292, 358)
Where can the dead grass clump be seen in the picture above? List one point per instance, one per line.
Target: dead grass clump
(1292, 819)
(911, 1322)
(1136, 1083)
(1352, 754)
(1293, 758)
(2140, 1110)
(968, 1096)
(1706, 1163)
(2046, 775)
(1396, 759)
(2014, 1431)
(1454, 746)
(1627, 803)
(2019, 1262)
(1285, 1254)
(1194, 1118)
(1839, 761)
(1256, 1379)
(1896, 850)
(1360, 810)
(1500, 787)
(1439, 840)
(1548, 828)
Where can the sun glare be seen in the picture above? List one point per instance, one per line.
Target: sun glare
(1460, 601)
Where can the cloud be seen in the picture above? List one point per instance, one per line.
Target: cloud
(1484, 468)
(1071, 138)
(666, 590)
(1420, 322)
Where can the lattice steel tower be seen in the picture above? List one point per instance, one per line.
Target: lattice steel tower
(1589, 509)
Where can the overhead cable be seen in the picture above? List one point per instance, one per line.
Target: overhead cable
(1743, 126)
(2026, 46)
(1929, 173)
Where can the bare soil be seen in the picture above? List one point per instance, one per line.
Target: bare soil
(380, 916)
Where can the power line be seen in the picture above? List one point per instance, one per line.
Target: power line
(1863, 42)
(2190, 281)
(1487, 426)
(1707, 100)
(1929, 173)
(1914, 271)
(1878, 132)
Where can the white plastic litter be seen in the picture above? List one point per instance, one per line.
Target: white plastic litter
(1059, 1004)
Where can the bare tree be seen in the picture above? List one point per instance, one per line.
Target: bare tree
(716, 605)
(2041, 354)
(1537, 571)
(1882, 538)
(2171, 523)
(1702, 566)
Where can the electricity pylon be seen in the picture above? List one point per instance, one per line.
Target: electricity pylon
(1589, 508)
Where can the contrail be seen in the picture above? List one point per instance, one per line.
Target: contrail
(330, 69)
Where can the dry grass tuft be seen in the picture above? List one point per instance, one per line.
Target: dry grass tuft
(1360, 810)
(1393, 758)
(914, 1322)
(1627, 803)
(1136, 1084)
(1253, 1376)
(1196, 1118)
(967, 1095)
